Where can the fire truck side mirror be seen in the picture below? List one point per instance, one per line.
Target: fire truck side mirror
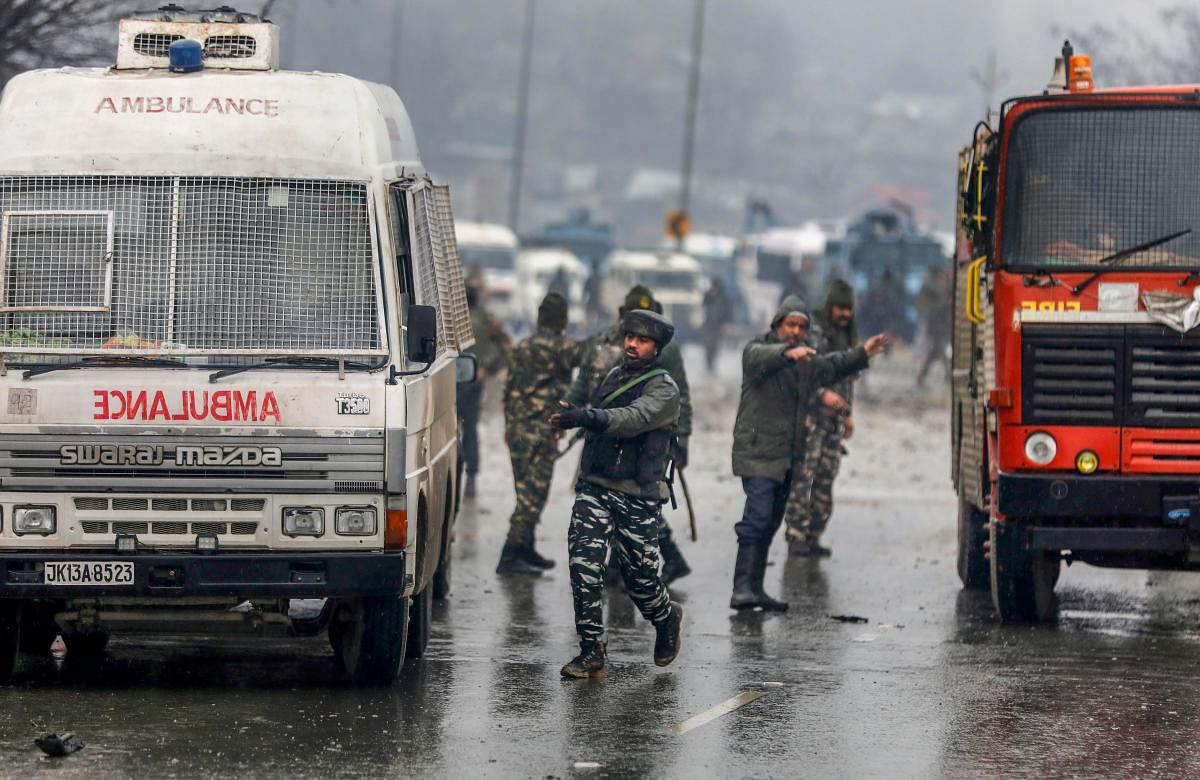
(421, 339)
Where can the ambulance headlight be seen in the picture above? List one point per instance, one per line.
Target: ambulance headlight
(355, 521)
(303, 521)
(1041, 448)
(38, 520)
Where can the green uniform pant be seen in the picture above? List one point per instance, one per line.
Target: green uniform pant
(533, 469)
(810, 501)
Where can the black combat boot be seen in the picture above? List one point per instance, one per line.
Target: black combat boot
(513, 561)
(666, 640)
(674, 566)
(589, 662)
(469, 489)
(799, 545)
(744, 596)
(760, 571)
(817, 550)
(534, 558)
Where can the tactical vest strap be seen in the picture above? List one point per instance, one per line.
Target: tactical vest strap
(637, 380)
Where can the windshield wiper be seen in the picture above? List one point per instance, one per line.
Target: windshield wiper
(104, 362)
(1116, 257)
(298, 362)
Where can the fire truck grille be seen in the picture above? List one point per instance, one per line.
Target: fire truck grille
(1141, 376)
(1069, 380)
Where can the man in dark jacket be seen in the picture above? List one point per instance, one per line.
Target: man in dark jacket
(620, 491)
(779, 375)
(605, 350)
(810, 502)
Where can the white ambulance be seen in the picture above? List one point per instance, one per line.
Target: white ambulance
(231, 309)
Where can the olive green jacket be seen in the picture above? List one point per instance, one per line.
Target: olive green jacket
(769, 433)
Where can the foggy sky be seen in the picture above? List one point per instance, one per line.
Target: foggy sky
(823, 108)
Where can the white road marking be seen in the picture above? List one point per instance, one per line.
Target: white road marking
(587, 764)
(865, 638)
(724, 708)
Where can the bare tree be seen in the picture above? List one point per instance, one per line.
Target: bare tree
(45, 33)
(1126, 55)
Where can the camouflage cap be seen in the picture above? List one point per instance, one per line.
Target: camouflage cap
(649, 324)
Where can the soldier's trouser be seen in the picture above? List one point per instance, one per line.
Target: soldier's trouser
(469, 397)
(633, 524)
(533, 469)
(765, 500)
(810, 502)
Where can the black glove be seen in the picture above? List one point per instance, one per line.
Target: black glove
(588, 419)
(681, 452)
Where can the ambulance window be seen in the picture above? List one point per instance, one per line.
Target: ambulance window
(398, 229)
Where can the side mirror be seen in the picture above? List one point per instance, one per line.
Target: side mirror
(421, 341)
(466, 369)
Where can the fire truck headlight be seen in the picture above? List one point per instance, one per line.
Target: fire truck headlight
(34, 520)
(303, 521)
(355, 521)
(1041, 448)
(1087, 462)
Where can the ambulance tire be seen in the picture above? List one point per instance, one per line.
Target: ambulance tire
(10, 637)
(369, 636)
(420, 614)
(973, 569)
(1023, 579)
(440, 587)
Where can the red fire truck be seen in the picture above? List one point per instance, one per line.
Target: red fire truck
(1076, 383)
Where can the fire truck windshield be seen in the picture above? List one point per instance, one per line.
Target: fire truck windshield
(1084, 183)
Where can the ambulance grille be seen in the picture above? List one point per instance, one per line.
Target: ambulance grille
(229, 46)
(154, 44)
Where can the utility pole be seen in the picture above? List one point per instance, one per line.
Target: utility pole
(689, 126)
(396, 48)
(518, 155)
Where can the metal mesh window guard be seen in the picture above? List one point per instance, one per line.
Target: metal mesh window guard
(1082, 184)
(437, 270)
(199, 266)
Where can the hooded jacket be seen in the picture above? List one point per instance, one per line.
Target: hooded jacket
(769, 433)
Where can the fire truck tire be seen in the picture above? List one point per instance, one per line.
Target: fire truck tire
(420, 613)
(10, 637)
(369, 635)
(1023, 579)
(972, 539)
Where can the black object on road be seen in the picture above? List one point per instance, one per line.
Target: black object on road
(849, 618)
(59, 744)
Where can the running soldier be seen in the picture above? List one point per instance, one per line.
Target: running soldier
(601, 353)
(810, 503)
(539, 373)
(620, 491)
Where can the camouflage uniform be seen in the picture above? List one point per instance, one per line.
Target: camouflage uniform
(610, 507)
(810, 500)
(539, 374)
(601, 516)
(491, 345)
(603, 351)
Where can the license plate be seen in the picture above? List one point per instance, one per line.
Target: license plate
(89, 573)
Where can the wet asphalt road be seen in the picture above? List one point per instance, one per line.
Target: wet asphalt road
(930, 686)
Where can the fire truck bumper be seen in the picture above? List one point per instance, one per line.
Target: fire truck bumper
(1104, 514)
(33, 574)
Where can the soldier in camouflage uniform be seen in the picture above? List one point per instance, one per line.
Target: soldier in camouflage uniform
(620, 491)
(603, 351)
(539, 373)
(810, 501)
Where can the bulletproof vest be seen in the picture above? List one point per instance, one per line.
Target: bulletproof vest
(643, 458)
